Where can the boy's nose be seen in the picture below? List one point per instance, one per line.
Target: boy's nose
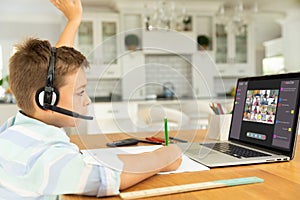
(88, 100)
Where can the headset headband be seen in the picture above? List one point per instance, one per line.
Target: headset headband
(49, 88)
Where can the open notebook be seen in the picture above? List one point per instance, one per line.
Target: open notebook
(106, 157)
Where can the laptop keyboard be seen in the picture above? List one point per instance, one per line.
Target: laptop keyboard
(234, 150)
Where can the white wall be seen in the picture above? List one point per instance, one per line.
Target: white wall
(15, 32)
(20, 19)
(7, 111)
(265, 29)
(291, 41)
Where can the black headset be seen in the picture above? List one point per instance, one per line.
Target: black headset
(48, 96)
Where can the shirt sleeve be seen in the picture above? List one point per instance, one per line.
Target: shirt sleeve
(69, 174)
(55, 169)
(38, 161)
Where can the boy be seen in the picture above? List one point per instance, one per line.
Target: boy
(37, 160)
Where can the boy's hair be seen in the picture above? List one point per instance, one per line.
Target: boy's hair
(28, 69)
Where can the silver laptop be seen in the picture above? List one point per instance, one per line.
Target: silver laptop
(263, 126)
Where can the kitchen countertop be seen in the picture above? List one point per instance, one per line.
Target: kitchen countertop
(108, 99)
(5, 103)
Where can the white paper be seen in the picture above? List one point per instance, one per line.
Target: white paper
(96, 157)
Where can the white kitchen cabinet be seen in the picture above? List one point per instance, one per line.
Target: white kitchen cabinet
(203, 71)
(134, 76)
(97, 40)
(163, 41)
(291, 40)
(112, 117)
(234, 52)
(273, 47)
(113, 71)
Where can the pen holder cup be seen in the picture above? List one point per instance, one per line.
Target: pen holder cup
(219, 126)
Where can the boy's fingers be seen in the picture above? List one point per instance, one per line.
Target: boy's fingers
(55, 3)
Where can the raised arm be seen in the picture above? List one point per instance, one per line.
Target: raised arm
(72, 9)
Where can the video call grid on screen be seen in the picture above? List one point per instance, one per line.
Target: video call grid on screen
(261, 106)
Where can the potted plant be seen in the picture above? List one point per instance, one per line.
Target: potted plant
(5, 92)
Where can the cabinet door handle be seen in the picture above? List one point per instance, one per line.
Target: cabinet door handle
(110, 72)
(113, 111)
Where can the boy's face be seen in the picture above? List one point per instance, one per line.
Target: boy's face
(73, 97)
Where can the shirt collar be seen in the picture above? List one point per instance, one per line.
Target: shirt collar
(49, 130)
(22, 118)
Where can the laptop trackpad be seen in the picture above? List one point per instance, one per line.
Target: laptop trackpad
(197, 150)
(202, 152)
(206, 155)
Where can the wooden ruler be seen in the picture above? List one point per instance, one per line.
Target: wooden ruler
(189, 187)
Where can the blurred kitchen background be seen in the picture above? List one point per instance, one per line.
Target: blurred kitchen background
(177, 55)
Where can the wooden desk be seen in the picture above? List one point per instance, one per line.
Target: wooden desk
(282, 180)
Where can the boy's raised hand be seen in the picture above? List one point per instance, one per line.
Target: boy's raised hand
(72, 9)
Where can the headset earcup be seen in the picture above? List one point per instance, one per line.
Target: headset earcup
(39, 97)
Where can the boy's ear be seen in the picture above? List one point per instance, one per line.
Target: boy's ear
(50, 98)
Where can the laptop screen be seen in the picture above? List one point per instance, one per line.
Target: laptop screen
(266, 111)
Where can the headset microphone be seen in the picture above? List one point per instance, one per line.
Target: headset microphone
(66, 112)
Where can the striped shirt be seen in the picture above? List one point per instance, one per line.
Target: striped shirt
(38, 161)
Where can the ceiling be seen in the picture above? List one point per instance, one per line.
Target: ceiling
(45, 7)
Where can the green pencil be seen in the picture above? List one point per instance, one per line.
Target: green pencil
(166, 132)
